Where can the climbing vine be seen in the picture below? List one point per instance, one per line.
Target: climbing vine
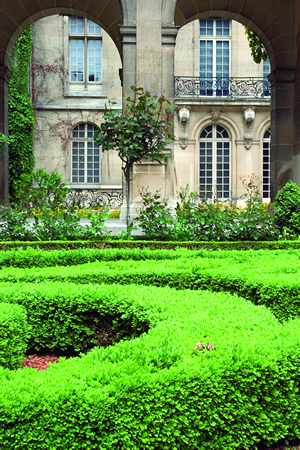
(20, 112)
(258, 51)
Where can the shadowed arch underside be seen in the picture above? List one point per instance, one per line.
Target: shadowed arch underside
(17, 15)
(273, 21)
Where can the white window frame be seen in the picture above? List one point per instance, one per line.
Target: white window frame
(212, 193)
(85, 140)
(214, 38)
(85, 37)
(266, 166)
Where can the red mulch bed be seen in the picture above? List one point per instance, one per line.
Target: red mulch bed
(40, 362)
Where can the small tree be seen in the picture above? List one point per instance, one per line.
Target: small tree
(141, 131)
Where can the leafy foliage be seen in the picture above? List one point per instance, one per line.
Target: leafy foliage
(258, 51)
(267, 278)
(44, 197)
(287, 208)
(40, 190)
(20, 113)
(198, 218)
(14, 334)
(141, 131)
(160, 390)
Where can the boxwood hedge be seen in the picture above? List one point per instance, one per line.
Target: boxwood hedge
(269, 278)
(14, 334)
(156, 391)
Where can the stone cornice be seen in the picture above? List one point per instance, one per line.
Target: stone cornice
(128, 34)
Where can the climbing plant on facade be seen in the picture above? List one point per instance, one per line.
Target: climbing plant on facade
(20, 112)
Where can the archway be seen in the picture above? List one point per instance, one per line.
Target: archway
(277, 26)
(16, 17)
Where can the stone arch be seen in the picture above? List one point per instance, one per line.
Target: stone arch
(224, 121)
(14, 19)
(262, 128)
(264, 18)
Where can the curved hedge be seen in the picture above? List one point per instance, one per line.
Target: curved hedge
(265, 278)
(156, 391)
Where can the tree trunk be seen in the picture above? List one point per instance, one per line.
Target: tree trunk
(127, 177)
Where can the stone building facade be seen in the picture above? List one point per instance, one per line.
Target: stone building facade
(222, 119)
(147, 37)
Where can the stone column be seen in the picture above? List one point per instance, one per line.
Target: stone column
(149, 56)
(128, 34)
(5, 75)
(282, 128)
(296, 160)
(169, 34)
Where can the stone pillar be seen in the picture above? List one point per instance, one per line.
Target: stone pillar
(169, 34)
(148, 41)
(128, 34)
(5, 75)
(282, 128)
(296, 161)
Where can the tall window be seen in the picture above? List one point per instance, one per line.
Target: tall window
(214, 57)
(267, 164)
(266, 72)
(85, 51)
(85, 155)
(214, 147)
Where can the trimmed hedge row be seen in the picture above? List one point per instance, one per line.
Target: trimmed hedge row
(14, 333)
(32, 257)
(153, 245)
(263, 278)
(158, 391)
(65, 316)
(35, 257)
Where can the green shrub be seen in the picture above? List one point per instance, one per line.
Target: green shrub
(151, 245)
(200, 219)
(268, 278)
(13, 335)
(41, 190)
(287, 208)
(69, 317)
(158, 391)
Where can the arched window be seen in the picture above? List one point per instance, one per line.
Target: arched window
(214, 149)
(85, 155)
(267, 164)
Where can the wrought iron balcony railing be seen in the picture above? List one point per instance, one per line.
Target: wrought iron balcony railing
(195, 87)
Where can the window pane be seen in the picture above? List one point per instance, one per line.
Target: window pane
(94, 54)
(77, 25)
(93, 28)
(84, 148)
(206, 27)
(222, 27)
(267, 165)
(206, 59)
(76, 60)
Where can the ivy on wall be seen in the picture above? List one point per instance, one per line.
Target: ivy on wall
(20, 112)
